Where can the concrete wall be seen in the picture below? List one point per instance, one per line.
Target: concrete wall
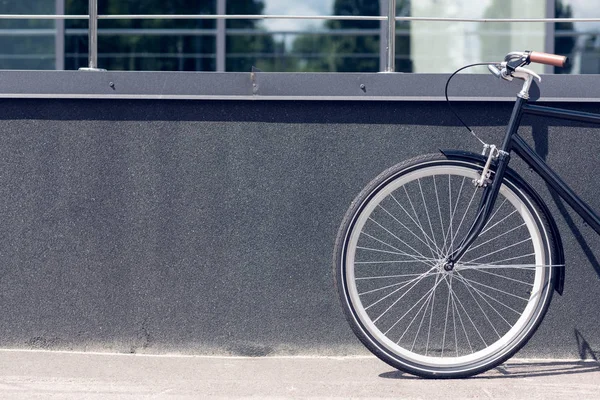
(207, 227)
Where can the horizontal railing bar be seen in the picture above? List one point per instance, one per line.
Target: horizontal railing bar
(28, 56)
(196, 16)
(212, 55)
(230, 31)
(144, 32)
(29, 32)
(253, 32)
(43, 16)
(306, 17)
(546, 20)
(237, 31)
(243, 16)
(192, 32)
(230, 55)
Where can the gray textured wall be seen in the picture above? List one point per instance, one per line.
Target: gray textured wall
(205, 227)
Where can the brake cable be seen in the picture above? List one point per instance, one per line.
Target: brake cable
(450, 105)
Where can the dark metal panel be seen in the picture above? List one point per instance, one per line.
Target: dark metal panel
(286, 86)
(157, 85)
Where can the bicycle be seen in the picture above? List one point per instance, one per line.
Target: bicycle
(445, 264)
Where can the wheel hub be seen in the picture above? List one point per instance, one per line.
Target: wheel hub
(448, 266)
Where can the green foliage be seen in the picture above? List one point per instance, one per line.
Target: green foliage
(351, 53)
(244, 50)
(167, 52)
(145, 51)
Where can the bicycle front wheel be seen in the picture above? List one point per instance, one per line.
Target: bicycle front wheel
(401, 302)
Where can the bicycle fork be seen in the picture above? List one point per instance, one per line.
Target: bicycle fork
(491, 184)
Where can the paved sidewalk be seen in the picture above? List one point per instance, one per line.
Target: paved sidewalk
(57, 375)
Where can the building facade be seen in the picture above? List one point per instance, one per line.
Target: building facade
(457, 37)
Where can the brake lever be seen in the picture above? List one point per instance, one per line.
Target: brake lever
(500, 71)
(526, 72)
(494, 70)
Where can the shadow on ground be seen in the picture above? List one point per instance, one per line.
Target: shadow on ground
(522, 370)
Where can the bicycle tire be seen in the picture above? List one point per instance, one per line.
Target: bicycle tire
(400, 301)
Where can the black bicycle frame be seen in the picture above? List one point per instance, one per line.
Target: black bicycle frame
(514, 142)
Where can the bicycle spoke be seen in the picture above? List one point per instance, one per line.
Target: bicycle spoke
(501, 276)
(408, 282)
(471, 320)
(492, 298)
(454, 297)
(389, 262)
(437, 198)
(446, 319)
(489, 221)
(431, 295)
(506, 259)
(499, 222)
(422, 259)
(412, 320)
(416, 282)
(451, 230)
(427, 212)
(413, 209)
(435, 253)
(386, 276)
(393, 247)
(479, 293)
(468, 286)
(400, 240)
(531, 267)
(451, 294)
(494, 238)
(430, 321)
(409, 310)
(502, 249)
(450, 213)
(462, 220)
(495, 289)
(417, 224)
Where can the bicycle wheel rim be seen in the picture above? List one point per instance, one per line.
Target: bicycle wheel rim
(508, 340)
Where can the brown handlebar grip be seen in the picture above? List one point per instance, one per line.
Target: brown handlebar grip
(548, 59)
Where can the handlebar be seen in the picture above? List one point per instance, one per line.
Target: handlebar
(548, 59)
(515, 62)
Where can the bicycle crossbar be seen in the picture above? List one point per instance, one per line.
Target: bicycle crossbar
(561, 113)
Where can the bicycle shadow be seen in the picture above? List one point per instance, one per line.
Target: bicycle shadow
(540, 138)
(512, 370)
(588, 362)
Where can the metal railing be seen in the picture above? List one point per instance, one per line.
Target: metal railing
(390, 20)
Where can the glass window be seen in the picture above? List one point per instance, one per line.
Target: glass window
(27, 44)
(323, 46)
(295, 44)
(144, 44)
(578, 40)
(446, 46)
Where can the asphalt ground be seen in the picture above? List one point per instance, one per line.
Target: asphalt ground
(62, 375)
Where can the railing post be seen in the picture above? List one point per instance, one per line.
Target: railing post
(391, 37)
(383, 36)
(221, 37)
(93, 37)
(59, 37)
